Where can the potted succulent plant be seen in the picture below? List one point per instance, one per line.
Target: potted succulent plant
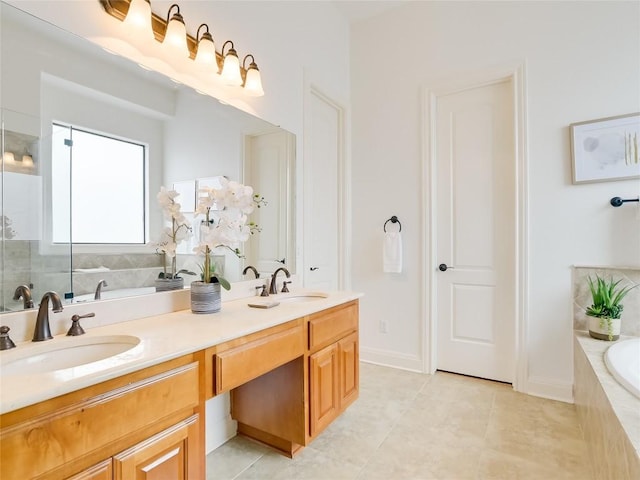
(604, 313)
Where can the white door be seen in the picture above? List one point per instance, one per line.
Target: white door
(268, 169)
(475, 182)
(323, 151)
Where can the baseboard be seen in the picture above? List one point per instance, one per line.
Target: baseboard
(549, 388)
(388, 358)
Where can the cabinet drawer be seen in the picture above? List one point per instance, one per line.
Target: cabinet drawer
(332, 324)
(241, 364)
(47, 441)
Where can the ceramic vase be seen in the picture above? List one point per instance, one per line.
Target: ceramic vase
(602, 332)
(166, 284)
(205, 297)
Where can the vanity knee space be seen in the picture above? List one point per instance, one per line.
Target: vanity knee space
(289, 383)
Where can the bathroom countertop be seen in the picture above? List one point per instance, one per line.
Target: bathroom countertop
(625, 405)
(163, 337)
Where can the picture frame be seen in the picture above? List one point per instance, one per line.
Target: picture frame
(606, 149)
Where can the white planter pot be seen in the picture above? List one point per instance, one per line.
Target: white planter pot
(205, 297)
(602, 332)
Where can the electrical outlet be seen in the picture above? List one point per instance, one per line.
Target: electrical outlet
(383, 326)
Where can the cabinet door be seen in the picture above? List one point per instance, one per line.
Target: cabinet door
(101, 471)
(349, 369)
(164, 456)
(324, 388)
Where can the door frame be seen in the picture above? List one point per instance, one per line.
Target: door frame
(343, 180)
(514, 73)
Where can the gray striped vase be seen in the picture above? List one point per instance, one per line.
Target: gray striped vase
(205, 297)
(166, 284)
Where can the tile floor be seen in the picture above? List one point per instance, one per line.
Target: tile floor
(412, 426)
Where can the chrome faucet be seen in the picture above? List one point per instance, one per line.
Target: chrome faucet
(252, 268)
(273, 289)
(24, 292)
(101, 283)
(43, 331)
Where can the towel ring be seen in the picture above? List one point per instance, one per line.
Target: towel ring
(393, 219)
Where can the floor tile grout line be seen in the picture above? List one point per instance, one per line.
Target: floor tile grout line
(249, 466)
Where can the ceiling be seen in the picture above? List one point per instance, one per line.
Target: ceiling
(358, 10)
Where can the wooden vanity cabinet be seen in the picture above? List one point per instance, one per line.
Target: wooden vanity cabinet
(101, 471)
(333, 364)
(289, 405)
(143, 425)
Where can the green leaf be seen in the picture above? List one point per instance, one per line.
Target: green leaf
(224, 283)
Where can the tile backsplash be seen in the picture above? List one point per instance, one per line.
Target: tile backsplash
(582, 296)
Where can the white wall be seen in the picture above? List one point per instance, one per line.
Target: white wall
(582, 62)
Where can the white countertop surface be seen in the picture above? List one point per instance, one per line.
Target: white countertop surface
(163, 337)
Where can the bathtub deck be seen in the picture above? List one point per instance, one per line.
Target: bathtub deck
(603, 404)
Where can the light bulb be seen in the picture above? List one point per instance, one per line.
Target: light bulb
(206, 54)
(231, 69)
(176, 35)
(8, 158)
(253, 82)
(138, 19)
(27, 160)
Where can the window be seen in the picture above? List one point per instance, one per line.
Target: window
(100, 180)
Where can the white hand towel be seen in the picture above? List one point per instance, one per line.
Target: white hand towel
(392, 252)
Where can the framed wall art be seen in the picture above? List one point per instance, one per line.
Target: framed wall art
(606, 149)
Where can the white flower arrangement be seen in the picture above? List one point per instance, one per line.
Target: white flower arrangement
(172, 235)
(234, 202)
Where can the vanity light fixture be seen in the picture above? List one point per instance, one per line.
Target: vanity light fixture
(175, 36)
(231, 67)
(139, 18)
(206, 49)
(173, 33)
(252, 80)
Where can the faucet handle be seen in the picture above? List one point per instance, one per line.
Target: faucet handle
(5, 341)
(263, 292)
(285, 289)
(76, 329)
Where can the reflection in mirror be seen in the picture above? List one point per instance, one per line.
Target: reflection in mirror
(68, 88)
(24, 263)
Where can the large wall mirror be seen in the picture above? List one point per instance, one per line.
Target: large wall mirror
(88, 139)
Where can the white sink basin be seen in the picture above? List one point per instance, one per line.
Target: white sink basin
(301, 297)
(60, 354)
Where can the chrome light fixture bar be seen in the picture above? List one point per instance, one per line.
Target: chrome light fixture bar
(201, 48)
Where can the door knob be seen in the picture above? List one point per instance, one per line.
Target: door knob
(443, 267)
(313, 269)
